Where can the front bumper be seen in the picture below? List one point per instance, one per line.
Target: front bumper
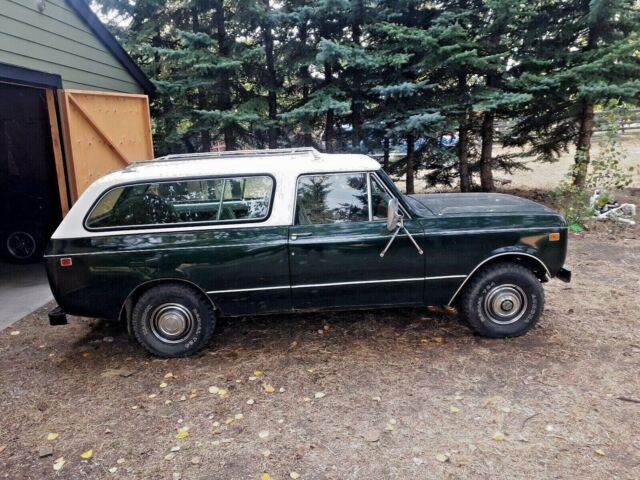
(57, 317)
(564, 275)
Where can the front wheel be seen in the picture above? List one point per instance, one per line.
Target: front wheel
(173, 321)
(504, 300)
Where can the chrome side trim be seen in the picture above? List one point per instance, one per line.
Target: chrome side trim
(490, 258)
(238, 290)
(336, 284)
(443, 277)
(359, 282)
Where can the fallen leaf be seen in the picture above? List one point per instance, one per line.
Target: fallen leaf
(257, 373)
(265, 453)
(441, 458)
(15, 332)
(438, 339)
(223, 392)
(87, 454)
(58, 464)
(239, 416)
(163, 385)
(268, 388)
(214, 390)
(319, 394)
(311, 370)
(228, 421)
(113, 469)
(307, 399)
(52, 436)
(371, 436)
(327, 327)
(454, 409)
(153, 395)
(227, 440)
(170, 456)
(169, 375)
(182, 433)
(120, 461)
(265, 476)
(294, 475)
(175, 448)
(215, 442)
(600, 452)
(263, 434)
(498, 436)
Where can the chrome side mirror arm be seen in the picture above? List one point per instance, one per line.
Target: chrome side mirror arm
(400, 226)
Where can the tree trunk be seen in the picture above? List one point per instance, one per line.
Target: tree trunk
(223, 102)
(409, 187)
(486, 155)
(385, 158)
(463, 139)
(583, 146)
(463, 157)
(330, 120)
(303, 72)
(356, 98)
(272, 100)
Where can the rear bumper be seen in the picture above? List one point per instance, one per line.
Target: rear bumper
(564, 275)
(57, 317)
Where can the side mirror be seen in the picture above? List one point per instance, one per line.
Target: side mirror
(393, 215)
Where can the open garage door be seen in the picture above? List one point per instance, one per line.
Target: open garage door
(103, 132)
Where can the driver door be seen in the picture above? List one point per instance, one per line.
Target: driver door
(335, 243)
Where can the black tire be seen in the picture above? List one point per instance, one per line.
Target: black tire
(22, 245)
(173, 321)
(503, 300)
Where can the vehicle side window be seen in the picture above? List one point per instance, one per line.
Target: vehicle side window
(379, 200)
(334, 198)
(184, 201)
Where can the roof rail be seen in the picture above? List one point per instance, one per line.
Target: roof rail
(235, 154)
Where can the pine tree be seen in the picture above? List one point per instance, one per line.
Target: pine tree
(576, 55)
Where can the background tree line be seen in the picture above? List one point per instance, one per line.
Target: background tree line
(378, 76)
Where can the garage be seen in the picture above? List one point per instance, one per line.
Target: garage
(73, 106)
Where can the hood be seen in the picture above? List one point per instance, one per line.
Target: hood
(465, 204)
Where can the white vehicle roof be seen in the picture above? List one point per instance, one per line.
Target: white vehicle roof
(284, 165)
(291, 162)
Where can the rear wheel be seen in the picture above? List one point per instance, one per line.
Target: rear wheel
(504, 300)
(22, 246)
(173, 321)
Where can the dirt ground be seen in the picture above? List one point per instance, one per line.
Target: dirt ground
(394, 394)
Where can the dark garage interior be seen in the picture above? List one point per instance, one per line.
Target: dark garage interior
(29, 199)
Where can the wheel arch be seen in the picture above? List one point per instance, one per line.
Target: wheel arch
(528, 260)
(127, 306)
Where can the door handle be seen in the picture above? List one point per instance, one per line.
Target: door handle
(301, 234)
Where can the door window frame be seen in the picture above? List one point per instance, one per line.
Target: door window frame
(368, 174)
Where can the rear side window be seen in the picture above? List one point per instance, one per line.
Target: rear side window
(184, 201)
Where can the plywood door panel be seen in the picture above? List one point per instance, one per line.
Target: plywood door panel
(103, 132)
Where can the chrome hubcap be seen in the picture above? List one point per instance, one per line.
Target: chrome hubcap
(505, 304)
(21, 245)
(171, 322)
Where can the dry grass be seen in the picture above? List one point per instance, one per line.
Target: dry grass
(554, 393)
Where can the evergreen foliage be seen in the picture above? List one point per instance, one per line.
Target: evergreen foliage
(382, 76)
